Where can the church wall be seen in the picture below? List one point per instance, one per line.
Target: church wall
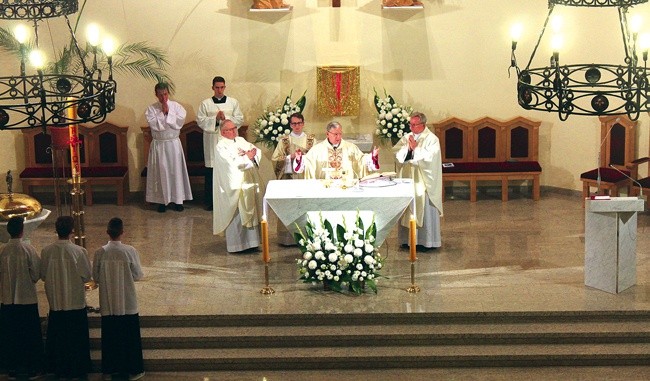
(451, 59)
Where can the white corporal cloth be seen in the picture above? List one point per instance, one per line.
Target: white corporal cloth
(294, 200)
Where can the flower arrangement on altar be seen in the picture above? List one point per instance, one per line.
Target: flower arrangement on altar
(339, 256)
(273, 125)
(392, 118)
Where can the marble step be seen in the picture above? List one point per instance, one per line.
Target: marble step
(341, 357)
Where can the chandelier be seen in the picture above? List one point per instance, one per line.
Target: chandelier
(586, 89)
(45, 99)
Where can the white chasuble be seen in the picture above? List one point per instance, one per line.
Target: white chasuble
(347, 156)
(236, 184)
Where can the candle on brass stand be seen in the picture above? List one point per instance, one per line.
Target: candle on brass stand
(75, 167)
(412, 246)
(266, 290)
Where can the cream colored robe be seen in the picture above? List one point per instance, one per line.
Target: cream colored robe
(282, 164)
(425, 168)
(347, 156)
(206, 118)
(236, 185)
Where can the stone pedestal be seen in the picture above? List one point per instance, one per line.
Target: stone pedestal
(610, 243)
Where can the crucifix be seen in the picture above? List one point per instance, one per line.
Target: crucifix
(336, 3)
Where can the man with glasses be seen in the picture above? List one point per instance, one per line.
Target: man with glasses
(236, 192)
(211, 115)
(336, 154)
(283, 158)
(418, 155)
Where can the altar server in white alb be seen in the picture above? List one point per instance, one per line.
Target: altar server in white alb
(418, 155)
(210, 117)
(116, 268)
(237, 194)
(167, 177)
(21, 342)
(65, 269)
(336, 154)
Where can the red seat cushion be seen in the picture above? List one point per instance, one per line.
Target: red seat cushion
(606, 174)
(34, 172)
(494, 167)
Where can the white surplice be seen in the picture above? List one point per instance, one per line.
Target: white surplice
(167, 176)
(206, 118)
(116, 267)
(19, 271)
(65, 269)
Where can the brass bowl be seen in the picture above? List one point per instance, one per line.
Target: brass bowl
(18, 204)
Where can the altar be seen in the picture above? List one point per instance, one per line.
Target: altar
(293, 201)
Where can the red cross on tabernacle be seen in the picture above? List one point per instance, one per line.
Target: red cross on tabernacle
(336, 3)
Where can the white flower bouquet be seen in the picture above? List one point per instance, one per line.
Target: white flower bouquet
(392, 118)
(273, 125)
(339, 256)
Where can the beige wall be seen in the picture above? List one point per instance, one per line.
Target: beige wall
(449, 60)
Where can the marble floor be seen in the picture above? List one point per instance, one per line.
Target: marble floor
(520, 255)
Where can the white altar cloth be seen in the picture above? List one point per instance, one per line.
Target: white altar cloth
(292, 200)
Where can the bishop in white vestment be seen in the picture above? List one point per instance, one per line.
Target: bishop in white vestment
(337, 155)
(418, 154)
(236, 190)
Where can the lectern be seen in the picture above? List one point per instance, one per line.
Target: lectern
(610, 243)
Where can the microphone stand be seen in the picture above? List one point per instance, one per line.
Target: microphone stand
(630, 178)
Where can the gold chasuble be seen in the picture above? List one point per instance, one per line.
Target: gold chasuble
(346, 157)
(425, 168)
(287, 147)
(236, 185)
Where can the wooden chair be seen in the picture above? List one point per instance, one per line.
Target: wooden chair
(617, 146)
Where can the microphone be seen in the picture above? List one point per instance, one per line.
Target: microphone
(634, 181)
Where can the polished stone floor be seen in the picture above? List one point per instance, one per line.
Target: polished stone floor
(520, 255)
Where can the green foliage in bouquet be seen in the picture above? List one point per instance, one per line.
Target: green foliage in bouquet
(271, 126)
(339, 255)
(392, 118)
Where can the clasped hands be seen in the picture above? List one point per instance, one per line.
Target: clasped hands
(250, 153)
(412, 143)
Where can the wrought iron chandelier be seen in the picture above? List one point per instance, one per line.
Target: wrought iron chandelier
(42, 100)
(587, 89)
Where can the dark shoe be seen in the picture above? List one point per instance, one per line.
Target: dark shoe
(161, 208)
(179, 207)
(134, 377)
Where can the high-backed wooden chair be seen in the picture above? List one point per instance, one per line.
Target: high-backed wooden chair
(617, 146)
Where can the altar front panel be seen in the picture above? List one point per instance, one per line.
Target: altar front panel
(291, 200)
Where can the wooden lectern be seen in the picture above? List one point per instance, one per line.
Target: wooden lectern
(610, 243)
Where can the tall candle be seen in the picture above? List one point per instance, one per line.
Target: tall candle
(265, 241)
(73, 135)
(412, 238)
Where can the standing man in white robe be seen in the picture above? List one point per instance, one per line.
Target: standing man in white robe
(167, 177)
(211, 115)
(236, 182)
(418, 154)
(336, 154)
(283, 157)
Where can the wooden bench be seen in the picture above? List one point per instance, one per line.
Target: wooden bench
(191, 137)
(103, 156)
(490, 150)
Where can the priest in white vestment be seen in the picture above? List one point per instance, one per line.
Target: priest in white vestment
(419, 158)
(211, 115)
(336, 155)
(236, 192)
(167, 177)
(283, 158)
